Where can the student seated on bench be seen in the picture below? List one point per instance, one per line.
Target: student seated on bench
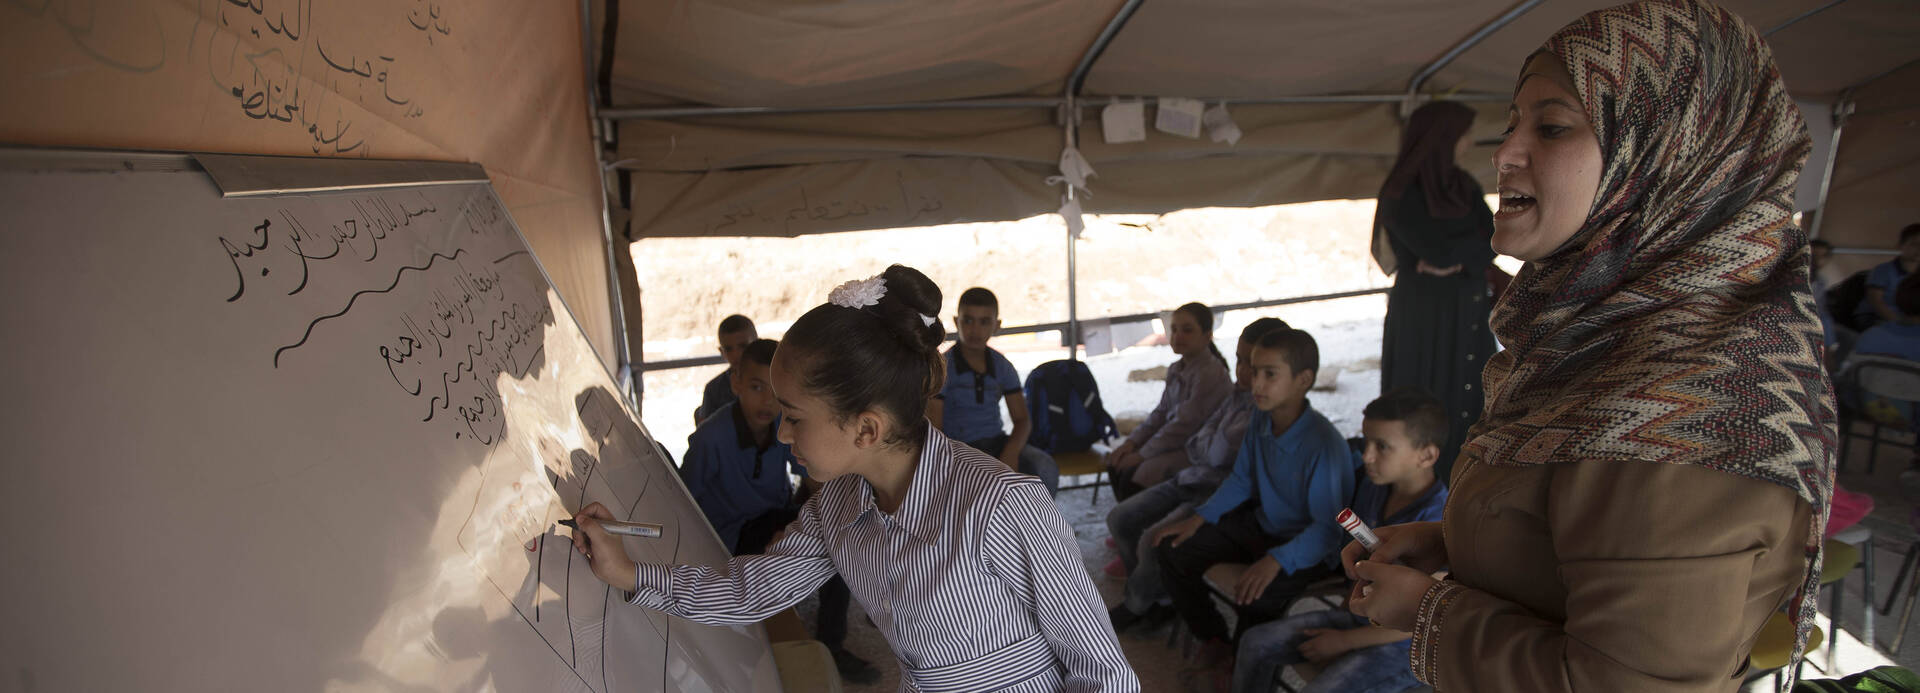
(1404, 430)
(1276, 510)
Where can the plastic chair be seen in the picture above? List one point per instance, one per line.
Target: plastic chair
(1907, 565)
(1883, 377)
(1845, 552)
(1775, 646)
(1222, 577)
(1082, 464)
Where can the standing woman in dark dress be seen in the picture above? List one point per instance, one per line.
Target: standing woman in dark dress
(1434, 219)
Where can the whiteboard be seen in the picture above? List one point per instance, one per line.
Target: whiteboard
(315, 442)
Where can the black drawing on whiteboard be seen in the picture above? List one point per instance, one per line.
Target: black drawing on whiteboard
(356, 296)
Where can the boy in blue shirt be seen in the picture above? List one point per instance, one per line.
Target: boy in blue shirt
(978, 378)
(1898, 339)
(736, 332)
(736, 468)
(1404, 430)
(1293, 474)
(1885, 278)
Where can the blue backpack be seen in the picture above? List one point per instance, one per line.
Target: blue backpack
(1063, 402)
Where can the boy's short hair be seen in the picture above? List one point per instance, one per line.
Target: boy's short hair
(1909, 232)
(1906, 296)
(736, 323)
(1422, 414)
(760, 351)
(1819, 243)
(980, 297)
(1252, 333)
(1298, 347)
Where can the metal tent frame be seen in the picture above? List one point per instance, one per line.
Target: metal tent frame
(1068, 108)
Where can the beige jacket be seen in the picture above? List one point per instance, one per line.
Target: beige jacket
(1608, 576)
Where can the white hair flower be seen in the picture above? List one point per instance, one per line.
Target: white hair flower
(859, 293)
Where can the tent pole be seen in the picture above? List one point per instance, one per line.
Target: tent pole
(1842, 109)
(622, 370)
(1072, 131)
(1420, 78)
(1803, 15)
(1070, 126)
(1035, 102)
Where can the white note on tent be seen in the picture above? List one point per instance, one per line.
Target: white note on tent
(1097, 336)
(1070, 212)
(1220, 125)
(1124, 121)
(1179, 116)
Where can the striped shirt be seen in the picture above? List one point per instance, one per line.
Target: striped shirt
(976, 581)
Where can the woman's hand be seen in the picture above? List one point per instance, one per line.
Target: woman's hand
(604, 552)
(1179, 531)
(1419, 545)
(1323, 644)
(1389, 595)
(1124, 460)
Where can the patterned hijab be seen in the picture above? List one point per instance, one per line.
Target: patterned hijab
(1677, 325)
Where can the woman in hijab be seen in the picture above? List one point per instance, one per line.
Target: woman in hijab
(1650, 478)
(1435, 221)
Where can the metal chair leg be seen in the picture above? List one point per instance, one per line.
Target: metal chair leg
(1873, 451)
(1833, 622)
(1866, 603)
(1906, 617)
(1900, 576)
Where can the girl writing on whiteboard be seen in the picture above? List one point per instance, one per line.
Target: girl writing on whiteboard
(964, 565)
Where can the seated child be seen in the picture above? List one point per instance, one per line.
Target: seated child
(978, 378)
(736, 331)
(1884, 280)
(1293, 474)
(735, 468)
(1196, 385)
(1404, 430)
(1210, 453)
(1895, 338)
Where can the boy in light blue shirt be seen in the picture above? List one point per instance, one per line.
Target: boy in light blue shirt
(1276, 509)
(1403, 430)
(978, 380)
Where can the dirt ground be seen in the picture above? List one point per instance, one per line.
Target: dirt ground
(1127, 264)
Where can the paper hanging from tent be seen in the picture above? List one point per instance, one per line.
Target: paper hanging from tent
(1179, 116)
(1070, 212)
(1074, 169)
(1124, 121)
(1097, 335)
(1220, 125)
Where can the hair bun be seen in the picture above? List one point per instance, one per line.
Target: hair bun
(911, 299)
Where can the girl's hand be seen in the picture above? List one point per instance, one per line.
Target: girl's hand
(1419, 545)
(604, 552)
(1323, 644)
(1389, 595)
